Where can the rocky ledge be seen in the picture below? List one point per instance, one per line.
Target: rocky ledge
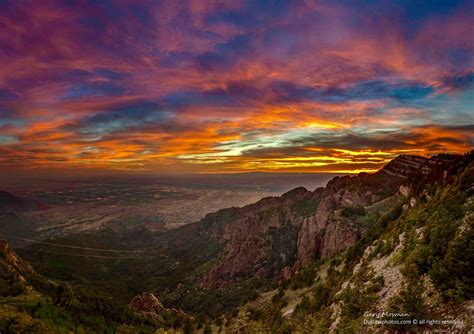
(147, 304)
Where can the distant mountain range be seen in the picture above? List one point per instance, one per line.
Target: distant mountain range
(16, 204)
(399, 240)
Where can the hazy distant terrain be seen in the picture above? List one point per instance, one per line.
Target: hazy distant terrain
(154, 203)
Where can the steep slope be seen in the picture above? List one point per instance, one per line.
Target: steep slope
(262, 240)
(331, 229)
(15, 273)
(30, 303)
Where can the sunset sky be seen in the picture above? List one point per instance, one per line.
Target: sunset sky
(233, 86)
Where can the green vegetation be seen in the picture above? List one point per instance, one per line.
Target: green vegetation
(409, 301)
(444, 246)
(353, 211)
(31, 303)
(213, 303)
(283, 250)
(305, 207)
(304, 278)
(358, 297)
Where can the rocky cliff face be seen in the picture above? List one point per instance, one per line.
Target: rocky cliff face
(250, 239)
(13, 267)
(325, 233)
(405, 166)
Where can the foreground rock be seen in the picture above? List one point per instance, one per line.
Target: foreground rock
(148, 305)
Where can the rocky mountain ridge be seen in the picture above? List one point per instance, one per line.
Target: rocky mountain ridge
(18, 270)
(405, 166)
(328, 225)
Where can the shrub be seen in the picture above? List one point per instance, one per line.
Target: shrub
(409, 300)
(353, 211)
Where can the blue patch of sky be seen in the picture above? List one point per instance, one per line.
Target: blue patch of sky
(8, 117)
(453, 108)
(92, 89)
(225, 55)
(403, 92)
(8, 140)
(121, 118)
(253, 14)
(111, 74)
(7, 95)
(216, 97)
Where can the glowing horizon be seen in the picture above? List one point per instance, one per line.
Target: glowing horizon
(233, 86)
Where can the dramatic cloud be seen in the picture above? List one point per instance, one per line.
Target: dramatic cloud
(223, 86)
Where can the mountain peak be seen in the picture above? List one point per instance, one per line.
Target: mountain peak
(296, 192)
(405, 166)
(13, 203)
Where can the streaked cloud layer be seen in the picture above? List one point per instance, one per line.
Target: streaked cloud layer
(224, 86)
